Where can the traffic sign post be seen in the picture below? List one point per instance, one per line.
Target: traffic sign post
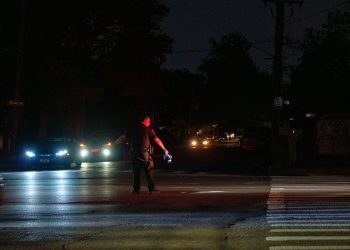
(16, 103)
(278, 102)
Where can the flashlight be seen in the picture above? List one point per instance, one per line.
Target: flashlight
(167, 157)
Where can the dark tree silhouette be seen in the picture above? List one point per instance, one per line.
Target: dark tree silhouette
(320, 83)
(236, 88)
(78, 50)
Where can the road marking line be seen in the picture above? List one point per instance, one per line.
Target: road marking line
(295, 200)
(309, 210)
(309, 221)
(314, 186)
(309, 215)
(306, 207)
(291, 230)
(210, 192)
(302, 238)
(311, 225)
(345, 247)
(308, 218)
(309, 205)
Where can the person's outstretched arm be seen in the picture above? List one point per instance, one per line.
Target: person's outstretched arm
(160, 144)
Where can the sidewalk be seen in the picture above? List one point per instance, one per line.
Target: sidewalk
(320, 166)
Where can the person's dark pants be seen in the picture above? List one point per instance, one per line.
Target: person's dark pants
(137, 167)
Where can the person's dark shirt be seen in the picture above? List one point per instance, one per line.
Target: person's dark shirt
(141, 138)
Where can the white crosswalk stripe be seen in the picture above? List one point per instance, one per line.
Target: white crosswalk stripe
(309, 213)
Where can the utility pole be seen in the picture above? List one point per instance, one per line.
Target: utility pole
(279, 144)
(278, 59)
(17, 103)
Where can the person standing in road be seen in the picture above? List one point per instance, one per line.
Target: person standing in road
(141, 139)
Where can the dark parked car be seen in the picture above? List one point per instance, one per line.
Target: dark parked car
(256, 138)
(52, 152)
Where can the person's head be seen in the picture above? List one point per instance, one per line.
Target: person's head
(146, 120)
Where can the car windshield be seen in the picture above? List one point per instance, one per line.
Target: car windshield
(96, 141)
(49, 144)
(57, 140)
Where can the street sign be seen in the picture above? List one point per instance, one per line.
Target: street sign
(15, 103)
(278, 102)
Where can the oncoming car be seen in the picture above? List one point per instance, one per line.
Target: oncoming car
(199, 142)
(96, 150)
(50, 152)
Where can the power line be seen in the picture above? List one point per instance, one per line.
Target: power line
(263, 51)
(319, 12)
(188, 51)
(271, 40)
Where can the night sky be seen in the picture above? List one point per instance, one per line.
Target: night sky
(192, 23)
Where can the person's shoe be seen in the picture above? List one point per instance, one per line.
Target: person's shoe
(135, 191)
(154, 191)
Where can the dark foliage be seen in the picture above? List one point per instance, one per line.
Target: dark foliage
(235, 86)
(320, 83)
(74, 52)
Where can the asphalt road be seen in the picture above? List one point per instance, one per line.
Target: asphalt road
(56, 208)
(209, 199)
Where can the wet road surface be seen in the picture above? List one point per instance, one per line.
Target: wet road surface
(92, 208)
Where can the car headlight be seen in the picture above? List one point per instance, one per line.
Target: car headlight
(106, 152)
(30, 154)
(62, 152)
(84, 152)
(194, 143)
(205, 142)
